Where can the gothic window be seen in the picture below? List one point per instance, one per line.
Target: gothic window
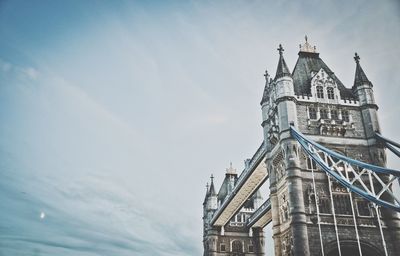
(320, 92)
(334, 114)
(324, 205)
(330, 92)
(324, 114)
(222, 248)
(342, 204)
(363, 208)
(313, 113)
(251, 248)
(345, 115)
(237, 246)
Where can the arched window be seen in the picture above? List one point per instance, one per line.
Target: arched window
(331, 94)
(313, 113)
(320, 92)
(334, 114)
(363, 208)
(324, 114)
(342, 203)
(237, 246)
(345, 115)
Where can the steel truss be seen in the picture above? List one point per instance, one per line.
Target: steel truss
(371, 182)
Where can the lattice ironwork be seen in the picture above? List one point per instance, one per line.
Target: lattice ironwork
(371, 182)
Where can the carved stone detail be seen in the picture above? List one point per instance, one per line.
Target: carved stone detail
(284, 207)
(287, 244)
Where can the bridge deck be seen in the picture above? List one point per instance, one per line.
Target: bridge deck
(261, 217)
(248, 182)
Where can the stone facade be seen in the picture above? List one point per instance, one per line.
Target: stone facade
(316, 103)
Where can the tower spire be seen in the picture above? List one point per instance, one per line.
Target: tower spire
(207, 194)
(360, 78)
(212, 189)
(282, 69)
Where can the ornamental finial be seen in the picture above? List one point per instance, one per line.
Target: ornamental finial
(230, 170)
(357, 58)
(266, 75)
(306, 47)
(280, 49)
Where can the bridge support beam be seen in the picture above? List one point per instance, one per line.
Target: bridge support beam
(274, 206)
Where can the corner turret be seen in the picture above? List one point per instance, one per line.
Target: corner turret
(363, 89)
(284, 94)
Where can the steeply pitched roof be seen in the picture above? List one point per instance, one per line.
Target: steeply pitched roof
(224, 190)
(265, 93)
(308, 62)
(360, 78)
(282, 69)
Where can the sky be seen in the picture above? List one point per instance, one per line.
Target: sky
(113, 114)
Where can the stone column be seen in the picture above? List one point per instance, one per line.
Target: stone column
(274, 210)
(212, 242)
(296, 199)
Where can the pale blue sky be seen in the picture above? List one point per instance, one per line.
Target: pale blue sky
(114, 113)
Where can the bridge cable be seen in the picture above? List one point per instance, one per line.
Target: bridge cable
(352, 210)
(378, 215)
(334, 215)
(317, 206)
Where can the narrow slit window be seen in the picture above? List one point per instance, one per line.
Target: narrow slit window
(320, 92)
(313, 113)
(345, 115)
(324, 114)
(331, 93)
(334, 114)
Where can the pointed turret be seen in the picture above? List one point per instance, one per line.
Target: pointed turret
(363, 89)
(282, 69)
(212, 189)
(211, 198)
(228, 183)
(360, 77)
(284, 94)
(207, 194)
(266, 88)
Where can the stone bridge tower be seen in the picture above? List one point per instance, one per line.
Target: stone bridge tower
(234, 238)
(315, 102)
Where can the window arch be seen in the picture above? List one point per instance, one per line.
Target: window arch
(313, 113)
(334, 114)
(345, 115)
(237, 246)
(324, 113)
(320, 92)
(331, 93)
